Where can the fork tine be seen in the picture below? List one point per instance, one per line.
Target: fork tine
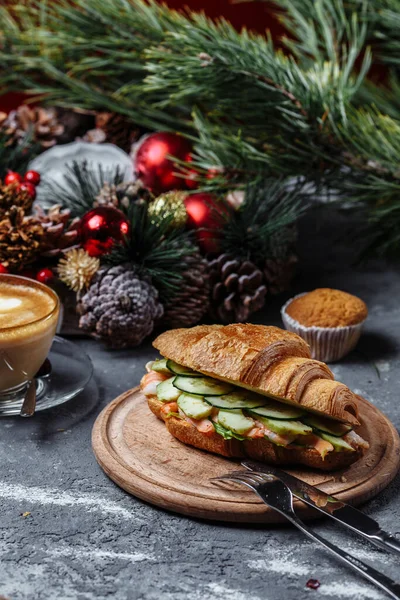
(237, 480)
(254, 475)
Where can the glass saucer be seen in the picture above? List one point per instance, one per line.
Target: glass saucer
(71, 370)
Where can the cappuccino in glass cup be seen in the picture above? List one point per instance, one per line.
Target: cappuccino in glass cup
(29, 313)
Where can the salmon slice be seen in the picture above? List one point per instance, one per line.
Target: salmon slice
(313, 441)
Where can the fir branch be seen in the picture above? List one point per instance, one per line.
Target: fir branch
(16, 156)
(82, 183)
(156, 247)
(257, 230)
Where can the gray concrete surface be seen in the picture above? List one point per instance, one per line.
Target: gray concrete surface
(85, 539)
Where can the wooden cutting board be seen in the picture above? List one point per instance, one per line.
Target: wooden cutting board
(136, 451)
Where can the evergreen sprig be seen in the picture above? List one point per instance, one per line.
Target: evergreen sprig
(16, 157)
(251, 110)
(82, 183)
(155, 247)
(262, 226)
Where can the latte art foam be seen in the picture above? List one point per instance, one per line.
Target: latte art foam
(20, 305)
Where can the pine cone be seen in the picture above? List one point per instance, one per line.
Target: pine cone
(11, 195)
(237, 288)
(278, 273)
(119, 308)
(60, 232)
(21, 239)
(40, 123)
(76, 122)
(190, 304)
(114, 129)
(122, 195)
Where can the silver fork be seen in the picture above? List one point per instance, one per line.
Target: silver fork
(278, 496)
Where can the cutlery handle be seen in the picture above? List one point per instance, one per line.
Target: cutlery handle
(379, 579)
(387, 541)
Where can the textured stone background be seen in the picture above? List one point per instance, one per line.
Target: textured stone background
(87, 539)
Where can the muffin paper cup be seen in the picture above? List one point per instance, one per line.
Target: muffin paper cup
(327, 344)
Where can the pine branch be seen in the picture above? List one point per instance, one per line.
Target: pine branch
(257, 230)
(82, 183)
(16, 157)
(156, 248)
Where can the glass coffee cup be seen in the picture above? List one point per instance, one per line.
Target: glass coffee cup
(29, 313)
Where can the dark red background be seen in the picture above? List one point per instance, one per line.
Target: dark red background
(256, 16)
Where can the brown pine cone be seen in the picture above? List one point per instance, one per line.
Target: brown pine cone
(60, 232)
(278, 273)
(237, 288)
(40, 123)
(11, 195)
(191, 302)
(21, 239)
(114, 129)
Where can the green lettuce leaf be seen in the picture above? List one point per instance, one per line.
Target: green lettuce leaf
(227, 434)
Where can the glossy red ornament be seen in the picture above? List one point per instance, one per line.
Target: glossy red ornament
(3, 270)
(101, 228)
(45, 275)
(32, 177)
(154, 168)
(12, 177)
(28, 187)
(207, 215)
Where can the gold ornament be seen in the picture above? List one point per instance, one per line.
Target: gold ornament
(77, 269)
(170, 204)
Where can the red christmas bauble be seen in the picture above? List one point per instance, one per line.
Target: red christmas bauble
(12, 177)
(45, 275)
(32, 177)
(3, 269)
(155, 168)
(28, 187)
(101, 228)
(207, 215)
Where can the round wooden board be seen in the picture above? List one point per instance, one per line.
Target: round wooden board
(136, 451)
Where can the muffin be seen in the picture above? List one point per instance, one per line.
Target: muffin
(329, 320)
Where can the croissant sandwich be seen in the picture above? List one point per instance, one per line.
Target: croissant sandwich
(252, 391)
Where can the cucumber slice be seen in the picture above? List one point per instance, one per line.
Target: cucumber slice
(278, 410)
(166, 391)
(194, 406)
(339, 444)
(236, 400)
(235, 421)
(284, 427)
(327, 425)
(180, 370)
(160, 366)
(202, 386)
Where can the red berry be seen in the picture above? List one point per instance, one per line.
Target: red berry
(28, 187)
(32, 177)
(313, 584)
(12, 177)
(45, 275)
(3, 269)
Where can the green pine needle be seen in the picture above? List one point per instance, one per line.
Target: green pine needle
(82, 183)
(261, 227)
(16, 157)
(155, 247)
